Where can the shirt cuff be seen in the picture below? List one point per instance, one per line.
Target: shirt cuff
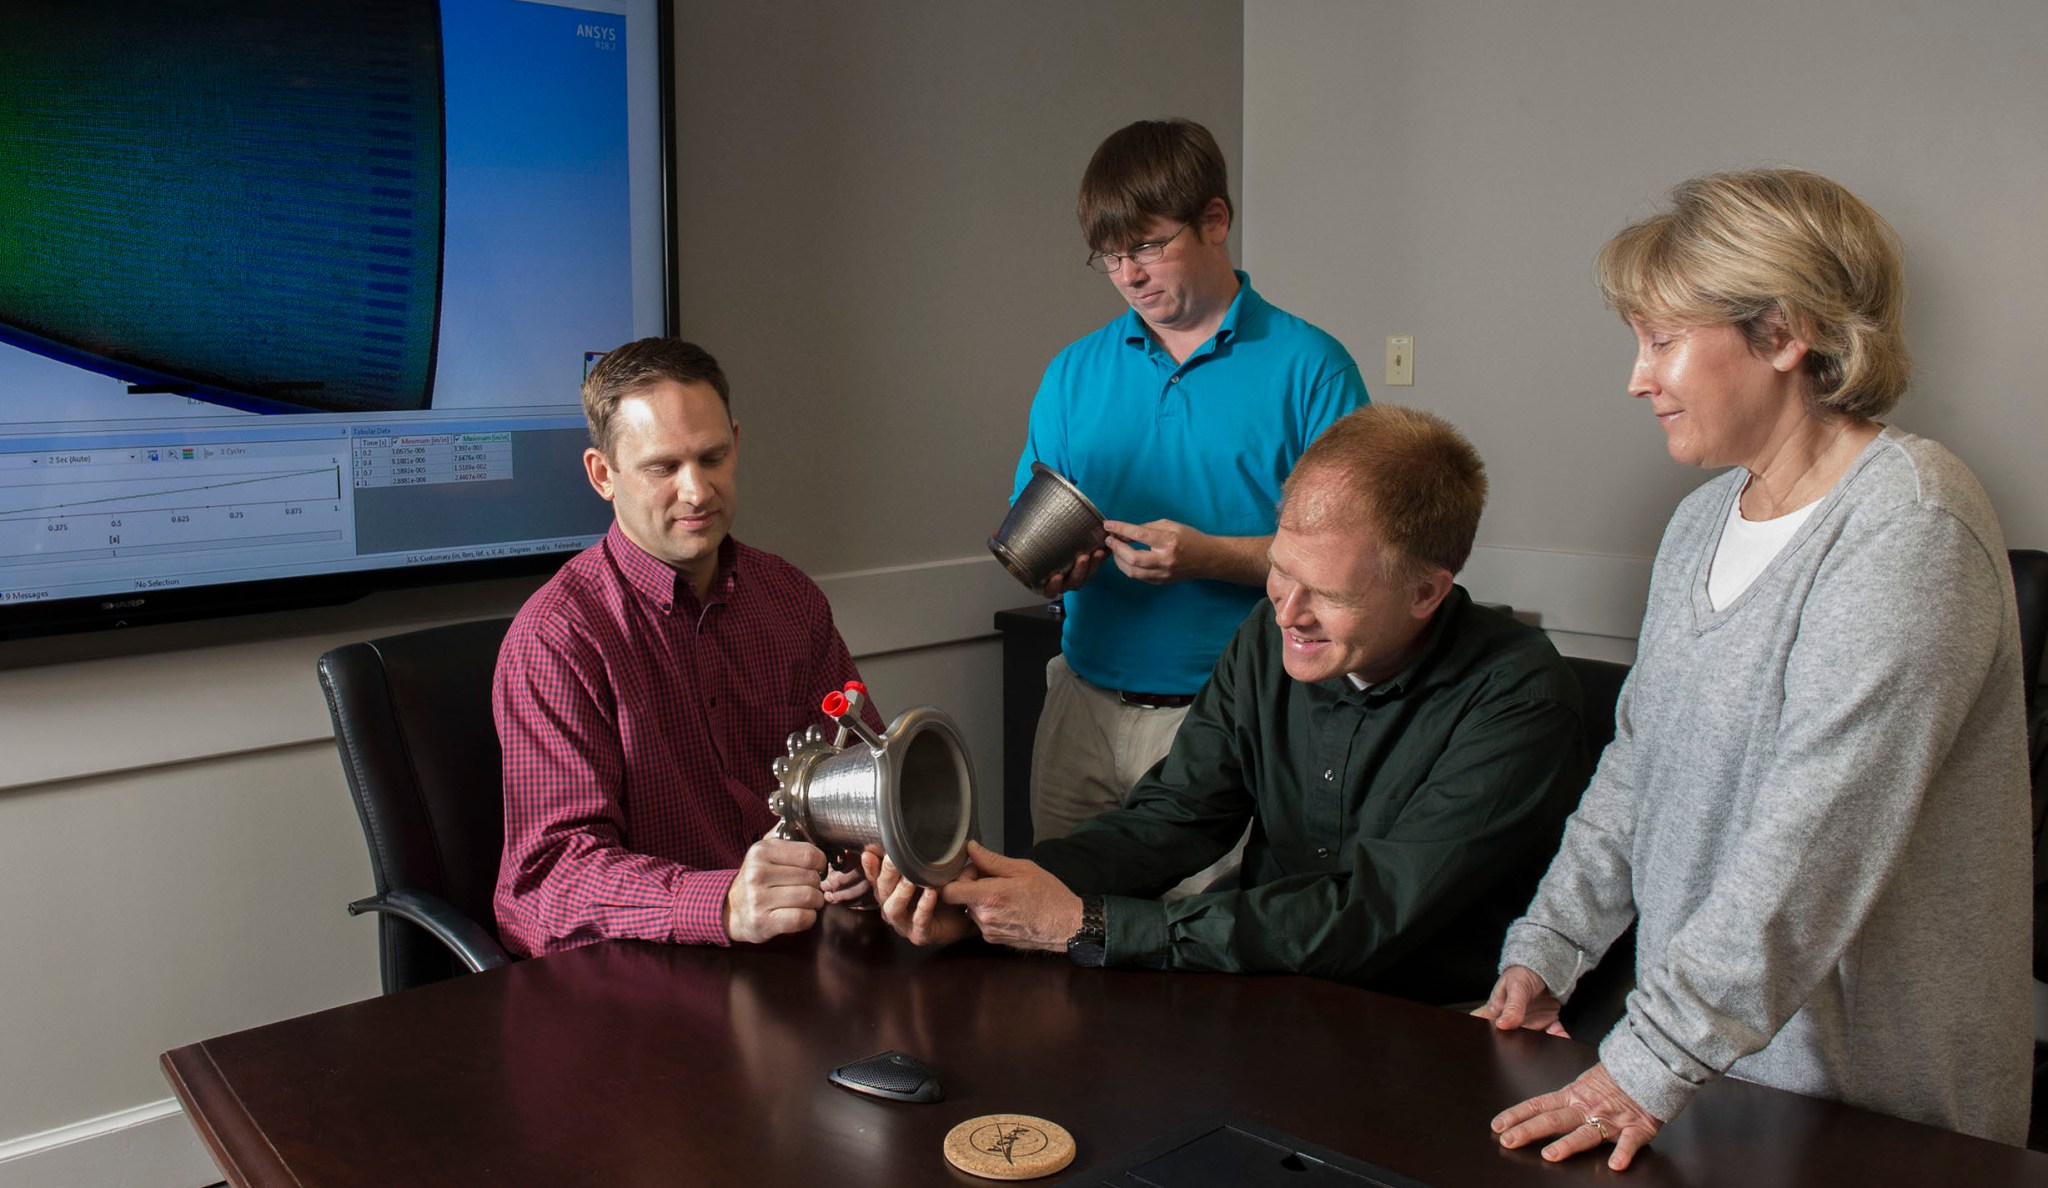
(1137, 931)
(1554, 959)
(1641, 1075)
(700, 908)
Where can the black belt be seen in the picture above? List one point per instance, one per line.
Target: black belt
(1155, 700)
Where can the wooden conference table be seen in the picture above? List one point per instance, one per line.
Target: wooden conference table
(633, 1064)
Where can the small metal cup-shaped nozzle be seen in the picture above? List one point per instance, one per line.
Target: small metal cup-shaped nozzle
(1050, 522)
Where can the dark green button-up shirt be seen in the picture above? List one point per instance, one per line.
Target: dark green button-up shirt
(1396, 830)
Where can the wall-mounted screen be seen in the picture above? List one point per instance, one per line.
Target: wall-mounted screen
(296, 298)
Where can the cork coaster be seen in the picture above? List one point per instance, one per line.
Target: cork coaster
(1009, 1147)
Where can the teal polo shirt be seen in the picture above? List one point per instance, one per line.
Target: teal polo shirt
(1208, 443)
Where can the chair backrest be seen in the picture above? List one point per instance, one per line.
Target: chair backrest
(1600, 682)
(1597, 1004)
(2030, 585)
(412, 718)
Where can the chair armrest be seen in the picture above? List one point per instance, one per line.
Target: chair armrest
(471, 944)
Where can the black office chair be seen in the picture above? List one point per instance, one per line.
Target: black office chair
(1598, 1001)
(1600, 682)
(2030, 586)
(412, 718)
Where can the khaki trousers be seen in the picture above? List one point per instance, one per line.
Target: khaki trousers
(1090, 750)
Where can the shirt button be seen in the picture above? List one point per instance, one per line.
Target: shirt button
(1322, 851)
(1174, 380)
(1329, 773)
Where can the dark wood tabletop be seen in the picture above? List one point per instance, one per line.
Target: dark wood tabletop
(627, 1064)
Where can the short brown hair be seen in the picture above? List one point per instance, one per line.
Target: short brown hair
(1408, 474)
(642, 364)
(1165, 169)
(1770, 251)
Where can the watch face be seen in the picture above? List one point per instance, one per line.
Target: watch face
(1088, 954)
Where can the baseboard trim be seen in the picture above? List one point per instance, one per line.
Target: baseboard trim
(150, 1146)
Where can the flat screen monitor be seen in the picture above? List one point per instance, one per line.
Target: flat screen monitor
(296, 299)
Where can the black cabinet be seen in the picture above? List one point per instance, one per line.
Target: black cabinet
(1031, 638)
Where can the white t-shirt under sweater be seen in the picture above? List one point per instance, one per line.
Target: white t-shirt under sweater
(1746, 547)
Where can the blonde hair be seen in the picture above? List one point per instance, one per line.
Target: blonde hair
(1406, 473)
(1771, 251)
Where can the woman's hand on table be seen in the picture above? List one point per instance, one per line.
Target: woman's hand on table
(1587, 1113)
(1520, 999)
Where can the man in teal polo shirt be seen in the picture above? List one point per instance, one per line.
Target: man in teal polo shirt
(1405, 757)
(1180, 420)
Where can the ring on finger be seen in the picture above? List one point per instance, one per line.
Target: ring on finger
(1599, 1124)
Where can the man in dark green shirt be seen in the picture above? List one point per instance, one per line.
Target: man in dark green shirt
(1405, 757)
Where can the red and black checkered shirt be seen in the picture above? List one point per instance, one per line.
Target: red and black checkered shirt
(639, 726)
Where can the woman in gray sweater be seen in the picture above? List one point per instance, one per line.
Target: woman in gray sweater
(1815, 807)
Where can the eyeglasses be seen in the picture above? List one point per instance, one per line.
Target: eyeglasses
(1142, 253)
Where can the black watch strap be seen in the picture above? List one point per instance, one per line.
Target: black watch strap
(1090, 945)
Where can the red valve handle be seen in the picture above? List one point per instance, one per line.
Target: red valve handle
(855, 687)
(835, 704)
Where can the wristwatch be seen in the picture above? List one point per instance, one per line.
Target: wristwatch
(1090, 946)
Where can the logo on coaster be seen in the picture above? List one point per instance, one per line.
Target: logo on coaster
(1009, 1147)
(1008, 1139)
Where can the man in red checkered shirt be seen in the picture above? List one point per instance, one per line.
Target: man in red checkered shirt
(644, 692)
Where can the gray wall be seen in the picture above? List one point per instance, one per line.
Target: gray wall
(1447, 169)
(878, 239)
(878, 242)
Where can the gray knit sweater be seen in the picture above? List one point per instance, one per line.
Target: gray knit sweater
(1816, 809)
